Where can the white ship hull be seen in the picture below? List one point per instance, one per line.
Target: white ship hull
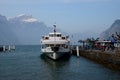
(55, 55)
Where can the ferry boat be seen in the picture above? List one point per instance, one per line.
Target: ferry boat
(55, 45)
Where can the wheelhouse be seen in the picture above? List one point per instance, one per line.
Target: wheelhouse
(55, 34)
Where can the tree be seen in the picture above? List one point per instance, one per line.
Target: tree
(83, 42)
(118, 36)
(90, 40)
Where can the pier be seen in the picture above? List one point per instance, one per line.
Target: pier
(109, 58)
(4, 48)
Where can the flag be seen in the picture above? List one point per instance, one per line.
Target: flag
(54, 28)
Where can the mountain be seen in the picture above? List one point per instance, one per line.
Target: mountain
(7, 36)
(115, 27)
(22, 29)
(27, 30)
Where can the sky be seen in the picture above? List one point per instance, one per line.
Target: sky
(73, 16)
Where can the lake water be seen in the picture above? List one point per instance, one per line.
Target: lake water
(26, 63)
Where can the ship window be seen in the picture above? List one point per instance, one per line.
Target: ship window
(46, 38)
(51, 35)
(57, 45)
(63, 37)
(54, 35)
(63, 45)
(58, 35)
(51, 45)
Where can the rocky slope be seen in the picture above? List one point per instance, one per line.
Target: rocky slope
(115, 27)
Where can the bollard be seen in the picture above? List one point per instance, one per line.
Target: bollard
(77, 48)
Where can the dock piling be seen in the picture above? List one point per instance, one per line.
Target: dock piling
(4, 48)
(9, 47)
(77, 48)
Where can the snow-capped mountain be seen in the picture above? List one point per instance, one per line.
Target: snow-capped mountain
(23, 18)
(25, 28)
(115, 27)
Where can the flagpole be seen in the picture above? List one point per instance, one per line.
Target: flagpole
(54, 33)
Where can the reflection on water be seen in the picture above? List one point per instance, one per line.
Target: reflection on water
(55, 64)
(57, 69)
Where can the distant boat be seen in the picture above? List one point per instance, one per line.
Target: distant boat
(55, 45)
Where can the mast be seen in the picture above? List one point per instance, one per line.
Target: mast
(54, 33)
(54, 28)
